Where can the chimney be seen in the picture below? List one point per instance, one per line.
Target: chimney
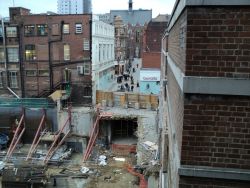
(130, 5)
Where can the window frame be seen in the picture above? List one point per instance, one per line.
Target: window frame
(10, 33)
(2, 54)
(10, 54)
(80, 28)
(87, 66)
(32, 52)
(66, 57)
(31, 75)
(31, 32)
(38, 29)
(1, 79)
(43, 75)
(13, 82)
(66, 30)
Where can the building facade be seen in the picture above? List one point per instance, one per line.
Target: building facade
(54, 52)
(131, 16)
(151, 55)
(103, 57)
(74, 6)
(10, 82)
(207, 95)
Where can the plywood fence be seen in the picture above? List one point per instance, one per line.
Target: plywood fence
(130, 100)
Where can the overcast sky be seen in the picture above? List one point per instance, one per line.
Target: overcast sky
(99, 6)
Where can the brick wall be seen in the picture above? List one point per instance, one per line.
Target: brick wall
(151, 60)
(218, 42)
(216, 131)
(36, 84)
(189, 182)
(175, 105)
(176, 51)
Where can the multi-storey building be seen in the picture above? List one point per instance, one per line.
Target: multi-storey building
(135, 41)
(54, 51)
(131, 16)
(151, 55)
(10, 82)
(206, 97)
(121, 35)
(74, 6)
(102, 55)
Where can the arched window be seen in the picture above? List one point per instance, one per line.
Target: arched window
(87, 91)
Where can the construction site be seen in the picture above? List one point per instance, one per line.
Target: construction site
(46, 143)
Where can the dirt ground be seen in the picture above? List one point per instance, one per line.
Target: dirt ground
(113, 175)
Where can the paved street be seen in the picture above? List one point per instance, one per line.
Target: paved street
(136, 75)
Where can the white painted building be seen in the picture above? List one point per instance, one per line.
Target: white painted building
(103, 58)
(74, 6)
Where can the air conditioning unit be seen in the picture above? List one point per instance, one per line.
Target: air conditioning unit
(80, 70)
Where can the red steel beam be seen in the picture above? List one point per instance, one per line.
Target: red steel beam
(15, 136)
(33, 145)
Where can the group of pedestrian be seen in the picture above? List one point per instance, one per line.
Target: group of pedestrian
(126, 77)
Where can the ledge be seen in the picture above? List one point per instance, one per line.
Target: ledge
(180, 5)
(209, 85)
(212, 172)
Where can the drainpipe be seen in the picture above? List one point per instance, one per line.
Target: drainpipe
(21, 65)
(51, 76)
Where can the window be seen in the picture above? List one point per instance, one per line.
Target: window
(31, 73)
(13, 79)
(43, 73)
(42, 30)
(13, 55)
(137, 37)
(65, 28)
(85, 44)
(29, 30)
(1, 79)
(11, 32)
(30, 52)
(78, 28)
(66, 50)
(1, 31)
(87, 92)
(2, 58)
(55, 29)
(86, 68)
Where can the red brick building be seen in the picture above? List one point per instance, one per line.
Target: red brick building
(207, 95)
(9, 59)
(151, 56)
(55, 50)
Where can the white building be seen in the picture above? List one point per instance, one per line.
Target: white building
(74, 6)
(103, 58)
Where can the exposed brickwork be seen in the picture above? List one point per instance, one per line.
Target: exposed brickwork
(176, 105)
(151, 60)
(151, 57)
(218, 42)
(36, 84)
(216, 131)
(176, 52)
(189, 182)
